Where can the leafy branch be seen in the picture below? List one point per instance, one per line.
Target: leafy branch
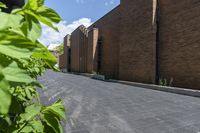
(22, 59)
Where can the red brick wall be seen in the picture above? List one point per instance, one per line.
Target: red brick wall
(83, 42)
(79, 44)
(92, 47)
(109, 31)
(63, 59)
(137, 41)
(128, 34)
(75, 51)
(180, 42)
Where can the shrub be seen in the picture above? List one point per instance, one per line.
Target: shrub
(60, 49)
(22, 59)
(165, 82)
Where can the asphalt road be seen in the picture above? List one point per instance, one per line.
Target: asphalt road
(103, 107)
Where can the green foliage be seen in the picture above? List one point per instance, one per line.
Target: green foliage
(165, 82)
(2, 5)
(94, 72)
(59, 49)
(22, 59)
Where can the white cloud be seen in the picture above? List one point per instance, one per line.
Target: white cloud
(106, 4)
(109, 2)
(51, 37)
(52, 46)
(80, 1)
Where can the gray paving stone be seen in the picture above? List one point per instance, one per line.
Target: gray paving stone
(186, 129)
(103, 107)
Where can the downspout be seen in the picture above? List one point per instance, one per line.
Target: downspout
(157, 73)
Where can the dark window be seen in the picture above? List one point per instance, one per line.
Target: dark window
(99, 54)
(69, 59)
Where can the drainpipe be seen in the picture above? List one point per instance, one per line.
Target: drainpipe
(157, 42)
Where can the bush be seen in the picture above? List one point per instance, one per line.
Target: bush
(165, 82)
(22, 59)
(59, 49)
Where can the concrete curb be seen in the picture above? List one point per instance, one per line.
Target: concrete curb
(82, 74)
(176, 90)
(93, 76)
(99, 77)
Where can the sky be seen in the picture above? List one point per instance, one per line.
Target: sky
(74, 13)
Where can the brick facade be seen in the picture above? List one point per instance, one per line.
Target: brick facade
(137, 41)
(143, 41)
(109, 31)
(79, 49)
(92, 50)
(64, 59)
(180, 42)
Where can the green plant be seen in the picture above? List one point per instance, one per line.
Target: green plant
(59, 49)
(22, 59)
(94, 72)
(165, 82)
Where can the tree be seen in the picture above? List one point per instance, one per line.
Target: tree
(59, 49)
(22, 59)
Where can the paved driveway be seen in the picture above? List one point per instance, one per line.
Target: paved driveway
(103, 107)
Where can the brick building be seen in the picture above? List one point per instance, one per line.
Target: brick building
(142, 41)
(65, 58)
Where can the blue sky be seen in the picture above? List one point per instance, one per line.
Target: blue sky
(71, 10)
(75, 13)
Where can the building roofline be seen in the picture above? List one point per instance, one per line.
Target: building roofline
(117, 7)
(81, 27)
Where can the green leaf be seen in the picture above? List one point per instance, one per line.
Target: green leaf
(15, 107)
(15, 45)
(43, 14)
(57, 109)
(4, 123)
(34, 126)
(42, 19)
(30, 112)
(49, 13)
(5, 96)
(33, 4)
(31, 28)
(24, 129)
(34, 28)
(28, 93)
(13, 73)
(37, 126)
(43, 53)
(9, 20)
(40, 3)
(52, 116)
(22, 60)
(2, 5)
(52, 123)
